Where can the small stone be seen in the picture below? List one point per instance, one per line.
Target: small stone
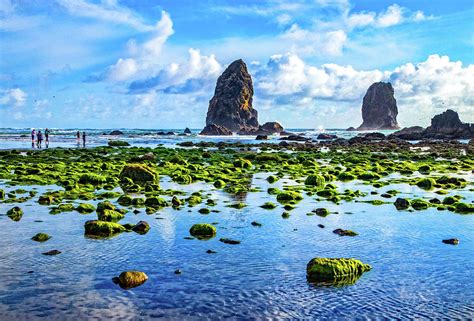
(210, 252)
(177, 271)
(52, 252)
(451, 241)
(229, 241)
(342, 232)
(321, 226)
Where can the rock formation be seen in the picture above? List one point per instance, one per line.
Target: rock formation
(379, 108)
(231, 106)
(446, 125)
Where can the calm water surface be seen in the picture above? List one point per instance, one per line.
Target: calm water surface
(414, 274)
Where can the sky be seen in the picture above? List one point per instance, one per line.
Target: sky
(154, 64)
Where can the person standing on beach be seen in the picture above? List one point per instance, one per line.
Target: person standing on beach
(33, 133)
(46, 136)
(78, 136)
(40, 138)
(84, 139)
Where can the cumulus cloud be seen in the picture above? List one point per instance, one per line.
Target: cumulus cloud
(422, 89)
(13, 97)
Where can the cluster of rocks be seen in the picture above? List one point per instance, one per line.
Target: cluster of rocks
(230, 109)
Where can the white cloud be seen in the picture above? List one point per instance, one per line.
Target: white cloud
(107, 11)
(392, 16)
(124, 69)
(13, 97)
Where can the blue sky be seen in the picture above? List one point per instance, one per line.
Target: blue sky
(154, 64)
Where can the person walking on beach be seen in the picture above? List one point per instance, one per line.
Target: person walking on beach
(78, 137)
(84, 139)
(46, 136)
(33, 134)
(40, 138)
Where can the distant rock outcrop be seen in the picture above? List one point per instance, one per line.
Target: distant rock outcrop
(379, 108)
(215, 130)
(446, 125)
(268, 128)
(187, 131)
(231, 106)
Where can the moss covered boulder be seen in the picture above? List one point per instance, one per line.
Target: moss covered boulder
(289, 196)
(335, 269)
(402, 204)
(203, 231)
(15, 213)
(125, 200)
(85, 208)
(139, 173)
(109, 216)
(156, 202)
(41, 237)
(97, 228)
(426, 183)
(93, 179)
(130, 279)
(315, 180)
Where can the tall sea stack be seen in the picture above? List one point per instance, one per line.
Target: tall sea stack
(230, 109)
(379, 108)
(231, 106)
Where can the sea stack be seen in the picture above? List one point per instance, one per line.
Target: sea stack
(379, 108)
(230, 109)
(231, 106)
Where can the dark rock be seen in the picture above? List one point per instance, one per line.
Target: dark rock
(215, 130)
(326, 136)
(448, 125)
(52, 252)
(351, 129)
(141, 227)
(342, 232)
(271, 127)
(177, 271)
(130, 279)
(261, 137)
(435, 201)
(286, 133)
(211, 252)
(451, 241)
(374, 136)
(298, 138)
(283, 144)
(409, 133)
(187, 130)
(116, 132)
(402, 204)
(321, 226)
(229, 241)
(231, 105)
(379, 108)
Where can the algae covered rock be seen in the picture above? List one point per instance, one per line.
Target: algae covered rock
(141, 227)
(203, 231)
(125, 200)
(342, 232)
(109, 216)
(85, 208)
(15, 213)
(426, 183)
(139, 173)
(102, 229)
(93, 179)
(315, 180)
(289, 196)
(335, 270)
(402, 204)
(130, 279)
(118, 143)
(41, 237)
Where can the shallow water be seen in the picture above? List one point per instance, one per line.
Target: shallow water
(414, 274)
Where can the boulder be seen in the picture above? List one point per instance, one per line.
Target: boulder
(261, 137)
(97, 228)
(15, 213)
(379, 108)
(130, 279)
(203, 231)
(187, 130)
(409, 133)
(342, 232)
(52, 252)
(41, 237)
(141, 227)
(334, 269)
(116, 132)
(324, 136)
(374, 136)
(139, 173)
(215, 130)
(451, 241)
(271, 128)
(231, 106)
(402, 204)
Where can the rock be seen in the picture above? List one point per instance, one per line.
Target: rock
(271, 128)
(351, 129)
(203, 231)
(315, 180)
(254, 223)
(109, 216)
(41, 237)
(409, 133)
(102, 229)
(448, 125)
(321, 226)
(141, 227)
(374, 136)
(130, 279)
(15, 213)
(261, 137)
(323, 212)
(52, 252)
(451, 241)
(187, 131)
(215, 130)
(298, 138)
(379, 108)
(139, 173)
(326, 136)
(229, 241)
(85, 208)
(177, 271)
(116, 132)
(402, 204)
(211, 252)
(335, 269)
(175, 201)
(231, 105)
(342, 232)
(118, 143)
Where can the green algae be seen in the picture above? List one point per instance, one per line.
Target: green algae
(85, 208)
(41, 237)
(139, 173)
(335, 270)
(426, 183)
(203, 231)
(315, 180)
(268, 205)
(97, 228)
(289, 196)
(109, 216)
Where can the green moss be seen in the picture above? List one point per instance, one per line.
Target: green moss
(463, 208)
(109, 216)
(125, 200)
(105, 206)
(375, 202)
(426, 183)
(333, 269)
(131, 279)
(419, 204)
(118, 143)
(219, 184)
(285, 215)
(450, 200)
(346, 176)
(237, 205)
(156, 202)
(323, 212)
(41, 237)
(194, 200)
(93, 179)
(46, 200)
(85, 208)
(289, 196)
(368, 176)
(203, 231)
(102, 228)
(62, 208)
(315, 180)
(138, 202)
(182, 179)
(139, 173)
(204, 210)
(272, 179)
(269, 205)
(243, 163)
(175, 202)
